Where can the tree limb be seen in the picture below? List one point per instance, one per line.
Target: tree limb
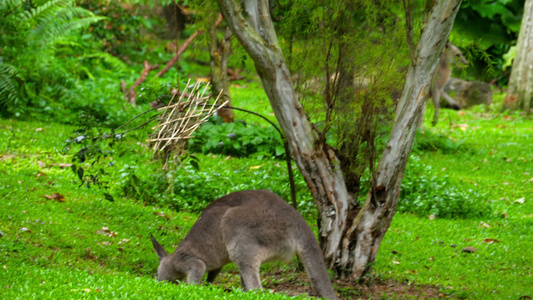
(131, 91)
(180, 51)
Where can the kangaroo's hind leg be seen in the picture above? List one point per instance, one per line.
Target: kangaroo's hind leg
(247, 255)
(435, 95)
(250, 279)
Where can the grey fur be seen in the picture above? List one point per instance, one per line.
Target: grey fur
(247, 228)
(450, 57)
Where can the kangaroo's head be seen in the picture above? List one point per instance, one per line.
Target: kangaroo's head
(454, 55)
(167, 270)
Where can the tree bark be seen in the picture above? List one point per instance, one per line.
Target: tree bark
(349, 237)
(219, 50)
(520, 91)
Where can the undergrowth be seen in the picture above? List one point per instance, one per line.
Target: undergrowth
(425, 192)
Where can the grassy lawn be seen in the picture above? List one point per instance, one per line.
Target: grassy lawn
(82, 245)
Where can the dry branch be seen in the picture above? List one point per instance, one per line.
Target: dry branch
(183, 47)
(180, 51)
(131, 91)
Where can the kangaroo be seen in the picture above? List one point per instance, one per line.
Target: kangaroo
(449, 58)
(246, 228)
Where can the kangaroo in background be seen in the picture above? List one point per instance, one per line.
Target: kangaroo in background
(247, 228)
(449, 58)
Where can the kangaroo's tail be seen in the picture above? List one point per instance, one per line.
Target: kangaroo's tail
(313, 261)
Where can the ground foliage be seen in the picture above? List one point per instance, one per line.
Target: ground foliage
(80, 243)
(238, 139)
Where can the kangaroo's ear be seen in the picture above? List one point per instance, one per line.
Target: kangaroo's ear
(161, 253)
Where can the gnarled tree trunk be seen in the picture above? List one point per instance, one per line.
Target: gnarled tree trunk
(350, 235)
(520, 92)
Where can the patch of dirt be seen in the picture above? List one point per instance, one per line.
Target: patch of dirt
(294, 283)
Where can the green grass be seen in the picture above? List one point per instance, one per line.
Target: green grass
(33, 282)
(496, 158)
(52, 249)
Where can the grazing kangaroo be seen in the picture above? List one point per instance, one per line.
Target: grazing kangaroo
(247, 228)
(449, 58)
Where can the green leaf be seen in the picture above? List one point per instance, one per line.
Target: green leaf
(80, 173)
(108, 197)
(280, 150)
(195, 165)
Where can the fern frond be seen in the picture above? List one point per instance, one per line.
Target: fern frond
(64, 21)
(56, 75)
(9, 85)
(9, 6)
(65, 42)
(115, 63)
(61, 16)
(55, 34)
(11, 71)
(46, 10)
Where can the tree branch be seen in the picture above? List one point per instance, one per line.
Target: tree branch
(180, 51)
(131, 91)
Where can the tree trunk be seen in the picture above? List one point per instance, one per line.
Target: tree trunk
(520, 92)
(363, 238)
(219, 51)
(350, 237)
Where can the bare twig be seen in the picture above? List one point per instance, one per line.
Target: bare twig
(180, 119)
(180, 51)
(131, 91)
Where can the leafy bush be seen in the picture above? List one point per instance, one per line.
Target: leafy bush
(120, 29)
(424, 193)
(192, 189)
(237, 139)
(498, 23)
(429, 141)
(50, 68)
(32, 34)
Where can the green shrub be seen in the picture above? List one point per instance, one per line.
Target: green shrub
(424, 193)
(430, 141)
(69, 72)
(34, 34)
(192, 189)
(238, 139)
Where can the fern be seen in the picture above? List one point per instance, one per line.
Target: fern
(47, 9)
(10, 81)
(53, 32)
(7, 7)
(115, 63)
(31, 33)
(57, 19)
